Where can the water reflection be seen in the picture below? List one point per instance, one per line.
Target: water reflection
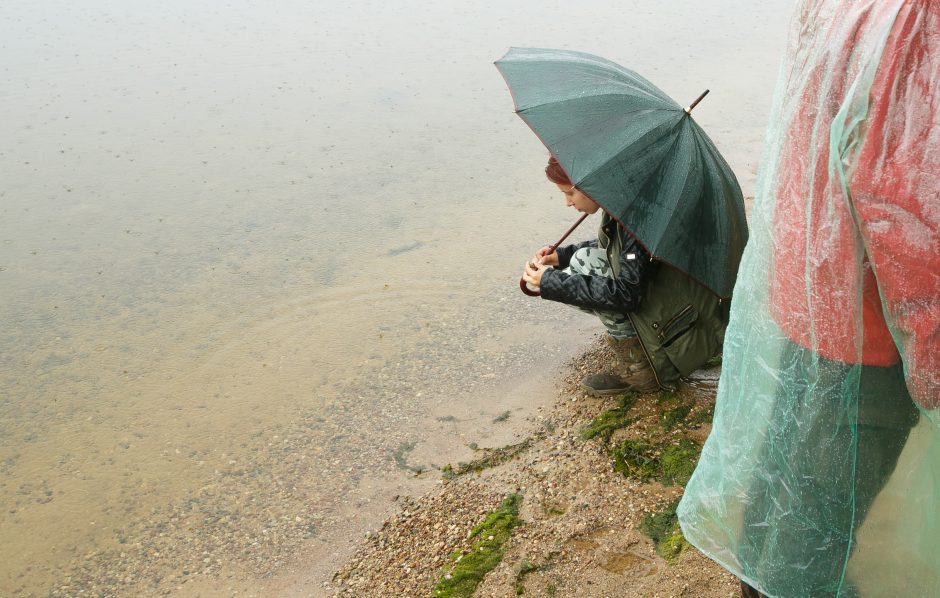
(247, 251)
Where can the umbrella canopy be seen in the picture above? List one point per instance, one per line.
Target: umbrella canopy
(638, 154)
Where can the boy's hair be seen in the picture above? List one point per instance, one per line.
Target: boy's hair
(556, 173)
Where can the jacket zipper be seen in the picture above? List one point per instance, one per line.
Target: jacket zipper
(649, 358)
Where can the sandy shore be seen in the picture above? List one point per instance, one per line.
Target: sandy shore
(593, 480)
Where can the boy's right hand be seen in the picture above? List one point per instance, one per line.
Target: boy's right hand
(546, 257)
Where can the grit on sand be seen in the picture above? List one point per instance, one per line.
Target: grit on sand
(582, 506)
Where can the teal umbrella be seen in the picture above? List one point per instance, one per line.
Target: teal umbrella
(638, 154)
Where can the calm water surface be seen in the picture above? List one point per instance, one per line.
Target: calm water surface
(258, 266)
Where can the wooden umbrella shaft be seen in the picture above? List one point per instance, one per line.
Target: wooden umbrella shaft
(522, 283)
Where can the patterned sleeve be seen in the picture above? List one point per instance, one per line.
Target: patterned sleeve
(565, 253)
(622, 294)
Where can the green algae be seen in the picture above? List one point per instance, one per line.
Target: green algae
(713, 362)
(491, 457)
(401, 458)
(677, 462)
(637, 459)
(646, 461)
(661, 452)
(656, 455)
(608, 422)
(672, 546)
(701, 416)
(672, 418)
(665, 395)
(554, 509)
(524, 569)
(662, 527)
(469, 569)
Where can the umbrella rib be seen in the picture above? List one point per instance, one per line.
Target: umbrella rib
(675, 206)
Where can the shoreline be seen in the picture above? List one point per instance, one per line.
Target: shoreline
(594, 480)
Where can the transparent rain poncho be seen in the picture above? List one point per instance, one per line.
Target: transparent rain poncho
(821, 476)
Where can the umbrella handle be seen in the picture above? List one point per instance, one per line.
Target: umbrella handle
(525, 289)
(522, 283)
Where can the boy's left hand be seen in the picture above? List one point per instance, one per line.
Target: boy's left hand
(533, 273)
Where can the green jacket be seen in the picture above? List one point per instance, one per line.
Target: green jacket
(680, 324)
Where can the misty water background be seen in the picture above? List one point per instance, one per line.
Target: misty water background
(258, 265)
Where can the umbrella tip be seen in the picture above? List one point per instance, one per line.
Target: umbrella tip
(688, 109)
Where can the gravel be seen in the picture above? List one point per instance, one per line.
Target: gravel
(580, 534)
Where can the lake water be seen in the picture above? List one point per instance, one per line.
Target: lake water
(258, 266)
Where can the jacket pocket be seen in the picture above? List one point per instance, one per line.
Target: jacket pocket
(678, 325)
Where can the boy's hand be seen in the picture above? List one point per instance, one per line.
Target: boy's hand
(546, 256)
(533, 273)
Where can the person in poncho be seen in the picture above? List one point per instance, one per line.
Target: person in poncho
(821, 476)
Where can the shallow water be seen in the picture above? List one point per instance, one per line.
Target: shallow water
(258, 265)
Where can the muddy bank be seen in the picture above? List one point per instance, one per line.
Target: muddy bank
(592, 485)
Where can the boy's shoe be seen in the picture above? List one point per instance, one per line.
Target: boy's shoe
(631, 372)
